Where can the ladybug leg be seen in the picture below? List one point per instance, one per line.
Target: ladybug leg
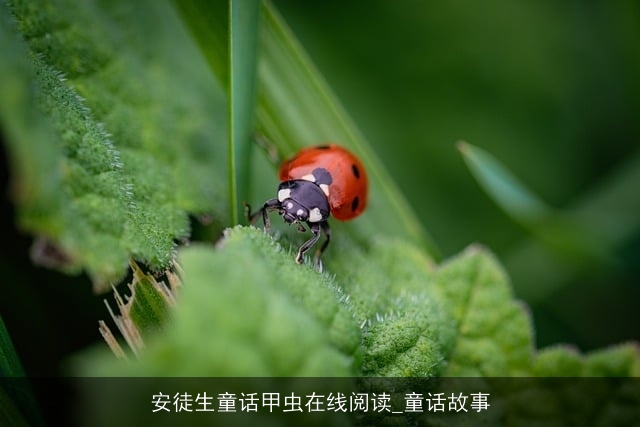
(247, 213)
(269, 205)
(315, 229)
(327, 232)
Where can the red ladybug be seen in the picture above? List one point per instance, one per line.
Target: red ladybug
(316, 183)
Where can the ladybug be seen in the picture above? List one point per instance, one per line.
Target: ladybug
(316, 183)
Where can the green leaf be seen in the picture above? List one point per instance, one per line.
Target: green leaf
(617, 361)
(559, 361)
(247, 309)
(406, 331)
(234, 321)
(608, 400)
(149, 303)
(26, 132)
(143, 314)
(394, 314)
(126, 129)
(493, 332)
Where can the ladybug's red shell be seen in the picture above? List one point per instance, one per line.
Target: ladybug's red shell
(348, 191)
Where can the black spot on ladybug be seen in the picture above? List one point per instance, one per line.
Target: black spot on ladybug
(354, 203)
(323, 147)
(356, 171)
(322, 176)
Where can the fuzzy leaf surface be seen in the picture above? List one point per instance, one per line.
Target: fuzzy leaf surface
(126, 131)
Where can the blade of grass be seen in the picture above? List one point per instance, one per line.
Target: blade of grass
(9, 363)
(560, 232)
(610, 211)
(243, 43)
(295, 108)
(16, 398)
(564, 242)
(227, 32)
(208, 22)
(9, 413)
(511, 195)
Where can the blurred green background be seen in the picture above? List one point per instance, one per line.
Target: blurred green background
(552, 89)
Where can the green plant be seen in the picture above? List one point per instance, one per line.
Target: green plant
(114, 142)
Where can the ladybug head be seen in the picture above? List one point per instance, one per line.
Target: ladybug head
(292, 211)
(302, 201)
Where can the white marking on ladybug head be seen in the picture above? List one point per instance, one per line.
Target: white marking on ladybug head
(289, 205)
(315, 215)
(325, 189)
(309, 177)
(299, 212)
(284, 194)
